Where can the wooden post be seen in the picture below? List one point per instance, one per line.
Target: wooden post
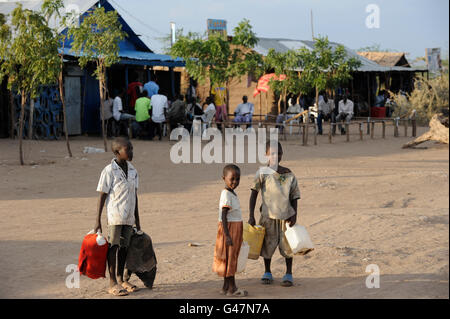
(384, 129)
(307, 134)
(13, 114)
(396, 127)
(329, 133)
(315, 134)
(305, 137)
(360, 132)
(413, 122)
(372, 129)
(347, 131)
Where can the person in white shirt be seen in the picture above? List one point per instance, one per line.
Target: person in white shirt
(119, 116)
(159, 112)
(291, 111)
(107, 113)
(210, 111)
(244, 111)
(345, 112)
(325, 109)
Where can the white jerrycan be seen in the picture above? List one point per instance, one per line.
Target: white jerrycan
(298, 239)
(243, 256)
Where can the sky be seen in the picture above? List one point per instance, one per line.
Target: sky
(404, 25)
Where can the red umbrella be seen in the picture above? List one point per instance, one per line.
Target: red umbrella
(263, 82)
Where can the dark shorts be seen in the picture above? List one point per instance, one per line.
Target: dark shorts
(120, 235)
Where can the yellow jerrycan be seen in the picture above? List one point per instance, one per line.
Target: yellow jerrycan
(254, 236)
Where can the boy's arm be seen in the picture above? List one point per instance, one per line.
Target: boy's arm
(252, 204)
(225, 211)
(136, 214)
(100, 204)
(293, 219)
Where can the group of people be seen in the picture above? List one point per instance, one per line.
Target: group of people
(278, 186)
(327, 109)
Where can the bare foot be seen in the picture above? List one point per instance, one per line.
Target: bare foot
(117, 290)
(129, 287)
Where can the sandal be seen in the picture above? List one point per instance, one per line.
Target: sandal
(238, 293)
(129, 287)
(118, 291)
(287, 280)
(267, 278)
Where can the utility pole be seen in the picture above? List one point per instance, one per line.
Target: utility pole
(172, 33)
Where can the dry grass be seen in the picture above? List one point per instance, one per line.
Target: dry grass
(429, 97)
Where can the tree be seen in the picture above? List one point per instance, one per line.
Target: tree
(29, 55)
(97, 40)
(326, 67)
(218, 59)
(287, 63)
(52, 8)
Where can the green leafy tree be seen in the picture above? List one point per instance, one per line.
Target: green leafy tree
(288, 64)
(52, 8)
(218, 59)
(97, 40)
(325, 67)
(29, 55)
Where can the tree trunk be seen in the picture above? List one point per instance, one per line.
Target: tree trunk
(102, 98)
(30, 121)
(63, 101)
(13, 114)
(438, 132)
(22, 113)
(227, 104)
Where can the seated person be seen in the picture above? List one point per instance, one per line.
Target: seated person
(177, 112)
(159, 112)
(244, 111)
(210, 111)
(292, 110)
(107, 113)
(143, 109)
(325, 111)
(119, 116)
(345, 112)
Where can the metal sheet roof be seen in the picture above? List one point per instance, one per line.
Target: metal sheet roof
(283, 45)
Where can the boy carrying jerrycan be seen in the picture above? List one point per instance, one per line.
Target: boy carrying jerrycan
(280, 192)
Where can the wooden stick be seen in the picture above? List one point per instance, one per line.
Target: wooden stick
(414, 127)
(372, 129)
(296, 116)
(315, 134)
(329, 133)
(360, 132)
(307, 133)
(347, 131)
(396, 128)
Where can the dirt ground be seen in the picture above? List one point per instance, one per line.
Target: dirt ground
(363, 202)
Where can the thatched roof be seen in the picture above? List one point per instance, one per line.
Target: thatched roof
(387, 58)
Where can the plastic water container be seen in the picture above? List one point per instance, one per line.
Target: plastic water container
(298, 239)
(101, 240)
(243, 256)
(254, 236)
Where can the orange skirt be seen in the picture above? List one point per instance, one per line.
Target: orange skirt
(226, 257)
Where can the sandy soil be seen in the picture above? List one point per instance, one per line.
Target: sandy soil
(363, 203)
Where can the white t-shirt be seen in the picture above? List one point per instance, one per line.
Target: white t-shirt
(346, 108)
(228, 199)
(244, 108)
(117, 107)
(159, 103)
(107, 104)
(121, 199)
